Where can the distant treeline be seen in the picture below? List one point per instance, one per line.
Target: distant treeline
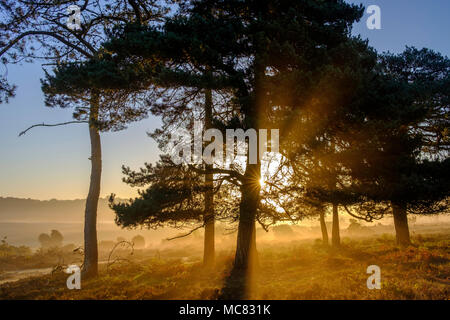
(16, 209)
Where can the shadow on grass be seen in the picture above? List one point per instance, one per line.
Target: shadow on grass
(238, 285)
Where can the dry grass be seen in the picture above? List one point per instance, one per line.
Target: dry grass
(296, 270)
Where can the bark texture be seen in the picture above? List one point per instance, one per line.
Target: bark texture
(90, 266)
(401, 224)
(209, 217)
(336, 238)
(323, 227)
(246, 255)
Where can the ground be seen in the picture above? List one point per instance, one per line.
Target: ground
(289, 270)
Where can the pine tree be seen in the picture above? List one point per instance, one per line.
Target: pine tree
(36, 31)
(269, 53)
(402, 143)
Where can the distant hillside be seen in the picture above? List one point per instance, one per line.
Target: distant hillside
(15, 209)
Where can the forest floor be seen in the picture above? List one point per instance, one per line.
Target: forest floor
(292, 270)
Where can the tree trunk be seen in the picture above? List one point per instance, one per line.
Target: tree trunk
(90, 266)
(209, 218)
(209, 246)
(209, 221)
(401, 224)
(323, 227)
(246, 255)
(241, 281)
(336, 238)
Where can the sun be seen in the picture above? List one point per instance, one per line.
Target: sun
(261, 182)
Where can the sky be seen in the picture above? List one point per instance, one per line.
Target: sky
(52, 163)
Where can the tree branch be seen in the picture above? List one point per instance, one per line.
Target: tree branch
(50, 125)
(367, 218)
(231, 173)
(187, 234)
(51, 34)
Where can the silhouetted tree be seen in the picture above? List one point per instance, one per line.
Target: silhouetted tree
(138, 241)
(240, 41)
(44, 240)
(399, 150)
(37, 30)
(55, 239)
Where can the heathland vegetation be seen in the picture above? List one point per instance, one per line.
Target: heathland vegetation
(361, 133)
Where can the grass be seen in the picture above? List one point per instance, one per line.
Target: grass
(13, 258)
(295, 270)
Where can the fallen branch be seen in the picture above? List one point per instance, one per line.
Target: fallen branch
(120, 243)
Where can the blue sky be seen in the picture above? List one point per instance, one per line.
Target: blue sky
(53, 162)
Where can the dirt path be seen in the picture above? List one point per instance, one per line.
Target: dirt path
(16, 275)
